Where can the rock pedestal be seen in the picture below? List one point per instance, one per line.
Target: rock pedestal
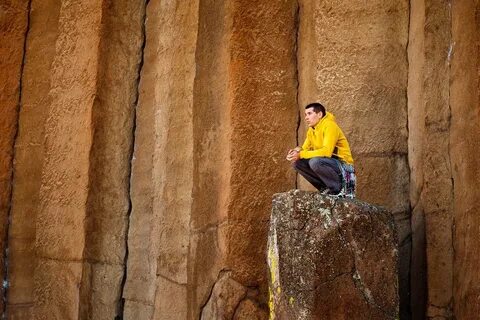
(331, 259)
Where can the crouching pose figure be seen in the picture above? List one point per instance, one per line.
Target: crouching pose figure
(324, 159)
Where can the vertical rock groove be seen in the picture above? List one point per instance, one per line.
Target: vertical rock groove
(298, 16)
(108, 202)
(121, 303)
(416, 131)
(407, 296)
(5, 243)
(451, 51)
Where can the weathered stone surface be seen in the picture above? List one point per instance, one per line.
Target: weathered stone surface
(437, 192)
(100, 290)
(170, 297)
(13, 26)
(331, 259)
(138, 310)
(52, 47)
(352, 57)
(56, 289)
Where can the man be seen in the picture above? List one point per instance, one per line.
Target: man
(324, 159)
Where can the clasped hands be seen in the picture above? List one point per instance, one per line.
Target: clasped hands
(293, 154)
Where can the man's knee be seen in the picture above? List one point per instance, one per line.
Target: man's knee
(301, 165)
(318, 162)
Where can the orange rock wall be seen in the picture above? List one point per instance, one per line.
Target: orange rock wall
(152, 137)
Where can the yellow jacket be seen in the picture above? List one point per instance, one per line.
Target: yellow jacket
(326, 139)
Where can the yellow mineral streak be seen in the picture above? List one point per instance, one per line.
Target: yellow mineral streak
(273, 263)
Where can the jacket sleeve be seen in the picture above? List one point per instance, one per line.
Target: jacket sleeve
(330, 137)
(307, 143)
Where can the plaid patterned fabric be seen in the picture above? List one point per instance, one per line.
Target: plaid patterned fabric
(348, 180)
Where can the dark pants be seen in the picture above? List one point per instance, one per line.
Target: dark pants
(321, 173)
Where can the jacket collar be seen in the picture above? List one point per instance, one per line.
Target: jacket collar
(315, 127)
(328, 116)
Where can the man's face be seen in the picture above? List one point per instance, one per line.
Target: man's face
(311, 117)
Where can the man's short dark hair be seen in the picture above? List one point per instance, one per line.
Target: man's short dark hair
(317, 107)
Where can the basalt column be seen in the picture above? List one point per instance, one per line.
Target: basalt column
(258, 125)
(263, 79)
(211, 153)
(70, 201)
(444, 128)
(108, 201)
(162, 165)
(60, 223)
(416, 114)
(464, 150)
(13, 26)
(432, 193)
(352, 57)
(29, 155)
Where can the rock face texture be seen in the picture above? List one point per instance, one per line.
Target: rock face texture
(331, 259)
(141, 142)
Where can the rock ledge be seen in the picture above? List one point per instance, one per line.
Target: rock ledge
(331, 259)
